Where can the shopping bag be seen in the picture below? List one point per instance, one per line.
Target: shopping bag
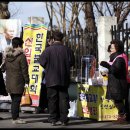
(73, 109)
(26, 99)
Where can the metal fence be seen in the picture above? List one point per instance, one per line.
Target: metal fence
(122, 34)
(82, 43)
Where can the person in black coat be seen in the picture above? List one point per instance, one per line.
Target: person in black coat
(57, 60)
(3, 91)
(2, 83)
(117, 80)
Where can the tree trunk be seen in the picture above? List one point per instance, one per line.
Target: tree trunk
(89, 16)
(90, 37)
(124, 16)
(4, 12)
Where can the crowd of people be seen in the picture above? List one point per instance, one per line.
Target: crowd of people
(57, 59)
(17, 77)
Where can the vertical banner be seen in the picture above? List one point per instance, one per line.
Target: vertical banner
(9, 28)
(34, 37)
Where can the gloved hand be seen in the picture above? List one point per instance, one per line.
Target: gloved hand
(105, 64)
(26, 86)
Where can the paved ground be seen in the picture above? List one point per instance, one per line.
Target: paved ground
(37, 121)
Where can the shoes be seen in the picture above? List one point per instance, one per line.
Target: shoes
(1, 118)
(64, 123)
(53, 123)
(19, 121)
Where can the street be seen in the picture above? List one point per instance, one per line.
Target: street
(37, 121)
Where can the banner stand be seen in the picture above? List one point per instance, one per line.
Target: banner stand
(34, 37)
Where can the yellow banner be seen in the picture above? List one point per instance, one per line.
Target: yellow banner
(34, 37)
(92, 103)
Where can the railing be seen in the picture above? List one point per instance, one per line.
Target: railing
(122, 34)
(82, 43)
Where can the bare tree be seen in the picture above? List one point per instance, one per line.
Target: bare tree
(61, 10)
(67, 16)
(119, 9)
(89, 17)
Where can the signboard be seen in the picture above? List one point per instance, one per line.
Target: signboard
(92, 103)
(9, 28)
(34, 37)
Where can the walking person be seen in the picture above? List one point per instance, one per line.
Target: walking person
(117, 78)
(57, 60)
(17, 77)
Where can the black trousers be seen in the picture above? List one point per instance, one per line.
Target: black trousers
(58, 103)
(43, 97)
(15, 105)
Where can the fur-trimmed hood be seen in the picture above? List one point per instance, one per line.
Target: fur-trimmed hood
(11, 53)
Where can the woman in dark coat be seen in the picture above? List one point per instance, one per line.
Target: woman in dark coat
(2, 83)
(117, 81)
(17, 76)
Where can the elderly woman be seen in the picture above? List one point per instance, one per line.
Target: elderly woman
(117, 78)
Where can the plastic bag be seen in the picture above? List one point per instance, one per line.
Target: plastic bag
(26, 99)
(103, 70)
(73, 109)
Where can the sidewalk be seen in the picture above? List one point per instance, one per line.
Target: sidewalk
(36, 121)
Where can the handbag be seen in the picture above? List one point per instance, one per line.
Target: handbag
(26, 99)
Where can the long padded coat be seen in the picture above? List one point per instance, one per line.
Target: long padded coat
(117, 82)
(16, 68)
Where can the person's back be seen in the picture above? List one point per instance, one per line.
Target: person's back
(57, 60)
(17, 76)
(16, 70)
(58, 66)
